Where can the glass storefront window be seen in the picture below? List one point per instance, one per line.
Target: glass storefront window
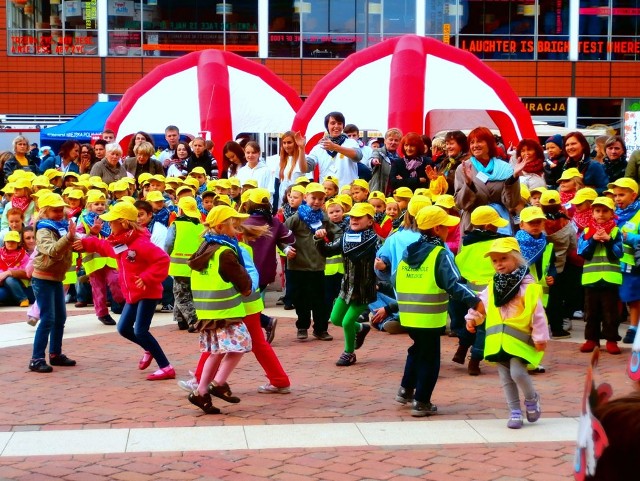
(52, 27)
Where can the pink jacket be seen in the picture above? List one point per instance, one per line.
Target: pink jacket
(139, 259)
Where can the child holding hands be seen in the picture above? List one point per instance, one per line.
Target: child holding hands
(516, 327)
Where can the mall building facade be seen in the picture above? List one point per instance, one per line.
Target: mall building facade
(573, 62)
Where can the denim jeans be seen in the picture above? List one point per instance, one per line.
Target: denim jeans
(382, 300)
(457, 311)
(167, 292)
(13, 291)
(53, 315)
(134, 324)
(422, 366)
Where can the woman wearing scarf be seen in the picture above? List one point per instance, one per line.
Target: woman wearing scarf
(486, 180)
(409, 169)
(615, 160)
(335, 154)
(381, 160)
(530, 151)
(593, 173)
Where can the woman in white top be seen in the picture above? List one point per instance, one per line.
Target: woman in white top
(255, 168)
(293, 162)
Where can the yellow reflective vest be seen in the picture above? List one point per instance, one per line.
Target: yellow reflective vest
(186, 243)
(334, 265)
(253, 302)
(600, 267)
(632, 226)
(477, 269)
(213, 297)
(512, 335)
(420, 301)
(542, 277)
(92, 261)
(71, 276)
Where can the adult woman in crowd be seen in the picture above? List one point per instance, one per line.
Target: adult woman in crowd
(577, 149)
(484, 179)
(110, 169)
(99, 148)
(409, 169)
(178, 162)
(381, 161)
(615, 160)
(255, 168)
(87, 158)
(19, 160)
(137, 139)
(200, 156)
(66, 160)
(234, 155)
(293, 162)
(530, 151)
(142, 162)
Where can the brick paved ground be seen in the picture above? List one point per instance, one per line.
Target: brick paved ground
(106, 390)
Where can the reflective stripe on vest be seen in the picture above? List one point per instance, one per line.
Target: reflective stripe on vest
(420, 301)
(334, 265)
(631, 226)
(599, 267)
(474, 267)
(186, 243)
(542, 278)
(512, 335)
(253, 303)
(213, 297)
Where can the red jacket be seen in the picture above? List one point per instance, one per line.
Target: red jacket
(140, 258)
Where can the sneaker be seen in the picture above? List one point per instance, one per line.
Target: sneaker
(80, 304)
(270, 330)
(404, 395)
(203, 402)
(420, 409)
(533, 409)
(612, 347)
(577, 315)
(280, 301)
(223, 392)
(145, 361)
(39, 365)
(561, 334)
(629, 336)
(107, 320)
(537, 370)
(362, 334)
(364, 317)
(188, 385)
(271, 389)
(183, 325)
(515, 421)
(474, 367)
(346, 359)
(162, 374)
(289, 307)
(393, 327)
(323, 336)
(589, 346)
(461, 354)
(32, 321)
(567, 324)
(192, 328)
(302, 334)
(61, 360)
(166, 308)
(25, 303)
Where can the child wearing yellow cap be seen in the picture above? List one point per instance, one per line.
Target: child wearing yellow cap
(101, 270)
(22, 200)
(331, 185)
(601, 247)
(161, 212)
(425, 278)
(359, 190)
(219, 282)
(381, 221)
(568, 184)
(516, 327)
(13, 264)
(580, 208)
(334, 268)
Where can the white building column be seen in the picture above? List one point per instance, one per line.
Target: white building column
(263, 28)
(572, 113)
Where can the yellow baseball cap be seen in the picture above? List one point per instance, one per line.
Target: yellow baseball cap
(333, 179)
(404, 192)
(119, 186)
(550, 197)
(189, 206)
(503, 245)
(70, 173)
(41, 181)
(155, 196)
(221, 213)
(361, 209)
(129, 180)
(224, 198)
(94, 178)
(251, 182)
(391, 200)
(211, 184)
(524, 192)
(51, 200)
(12, 236)
(244, 197)
(432, 216)
(8, 188)
(173, 180)
(100, 185)
(22, 183)
(363, 184)
(485, 214)
(416, 203)
(298, 188)
(95, 196)
(142, 178)
(606, 201)
(445, 200)
(333, 201)
(158, 178)
(41, 192)
(222, 183)
(584, 194)
(376, 194)
(84, 176)
(75, 193)
(313, 187)
(569, 174)
(531, 213)
(539, 190)
(233, 181)
(259, 196)
(127, 198)
(303, 179)
(422, 191)
(198, 170)
(184, 188)
(624, 183)
(345, 199)
(121, 210)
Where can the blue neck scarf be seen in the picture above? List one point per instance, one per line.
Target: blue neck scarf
(162, 216)
(90, 219)
(226, 241)
(496, 169)
(54, 225)
(530, 247)
(628, 212)
(310, 216)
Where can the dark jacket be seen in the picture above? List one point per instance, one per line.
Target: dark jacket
(553, 171)
(264, 248)
(132, 166)
(12, 164)
(614, 170)
(593, 174)
(380, 173)
(409, 179)
(205, 161)
(54, 162)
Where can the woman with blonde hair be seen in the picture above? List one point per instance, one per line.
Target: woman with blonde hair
(293, 162)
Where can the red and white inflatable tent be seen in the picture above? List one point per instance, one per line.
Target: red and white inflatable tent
(208, 91)
(416, 84)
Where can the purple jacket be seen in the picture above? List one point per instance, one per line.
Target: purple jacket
(264, 248)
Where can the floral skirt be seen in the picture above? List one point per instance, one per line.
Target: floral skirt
(229, 338)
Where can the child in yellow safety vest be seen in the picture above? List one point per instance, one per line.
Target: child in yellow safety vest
(334, 268)
(101, 270)
(600, 244)
(516, 327)
(425, 278)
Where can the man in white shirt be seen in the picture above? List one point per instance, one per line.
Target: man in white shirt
(335, 154)
(172, 136)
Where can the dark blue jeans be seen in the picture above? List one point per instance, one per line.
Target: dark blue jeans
(53, 315)
(422, 367)
(134, 324)
(13, 291)
(167, 292)
(457, 311)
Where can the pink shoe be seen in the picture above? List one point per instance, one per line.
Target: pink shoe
(145, 360)
(164, 373)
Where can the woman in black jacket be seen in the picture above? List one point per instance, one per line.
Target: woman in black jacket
(409, 169)
(200, 156)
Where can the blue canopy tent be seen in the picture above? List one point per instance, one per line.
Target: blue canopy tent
(81, 128)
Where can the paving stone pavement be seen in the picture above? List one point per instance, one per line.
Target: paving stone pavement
(107, 391)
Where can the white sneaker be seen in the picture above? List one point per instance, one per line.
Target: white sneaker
(567, 324)
(578, 315)
(271, 389)
(189, 385)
